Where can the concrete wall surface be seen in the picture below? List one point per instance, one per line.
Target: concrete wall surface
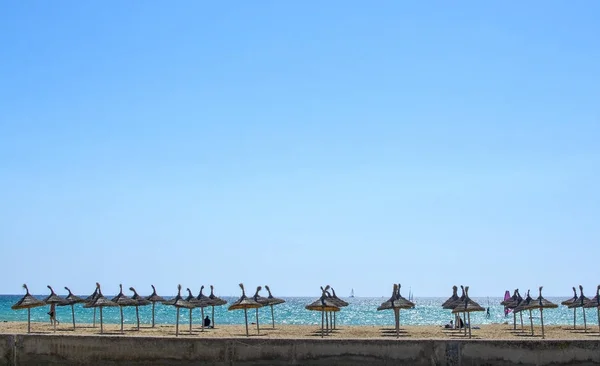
(37, 349)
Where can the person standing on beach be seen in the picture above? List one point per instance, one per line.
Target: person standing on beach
(52, 314)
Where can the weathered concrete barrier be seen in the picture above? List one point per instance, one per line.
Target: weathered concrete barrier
(115, 350)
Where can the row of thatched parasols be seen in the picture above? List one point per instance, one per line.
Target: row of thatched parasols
(462, 305)
(583, 302)
(517, 304)
(98, 300)
(255, 302)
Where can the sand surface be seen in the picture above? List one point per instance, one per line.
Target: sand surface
(492, 331)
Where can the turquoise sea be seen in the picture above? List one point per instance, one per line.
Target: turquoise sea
(361, 311)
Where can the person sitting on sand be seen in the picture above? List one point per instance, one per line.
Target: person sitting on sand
(461, 324)
(449, 325)
(207, 322)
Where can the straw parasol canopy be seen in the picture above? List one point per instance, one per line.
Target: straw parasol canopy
(402, 300)
(201, 301)
(72, 300)
(595, 303)
(123, 300)
(468, 306)
(27, 302)
(100, 302)
(215, 301)
(323, 304)
(541, 303)
(140, 301)
(244, 303)
(580, 302)
(272, 301)
(451, 299)
(154, 298)
(178, 302)
(53, 299)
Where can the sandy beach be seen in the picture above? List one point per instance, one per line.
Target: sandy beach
(492, 331)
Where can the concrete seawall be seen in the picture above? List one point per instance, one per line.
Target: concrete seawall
(114, 350)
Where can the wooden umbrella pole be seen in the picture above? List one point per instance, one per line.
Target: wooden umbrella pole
(153, 306)
(257, 327)
(531, 321)
(28, 320)
(73, 314)
(521, 315)
(101, 324)
(177, 323)
(190, 321)
(584, 322)
(121, 310)
(465, 321)
(397, 319)
(542, 321)
(246, 317)
(272, 316)
(54, 320)
(327, 323)
(514, 321)
(322, 324)
(202, 315)
(469, 318)
(137, 316)
(574, 318)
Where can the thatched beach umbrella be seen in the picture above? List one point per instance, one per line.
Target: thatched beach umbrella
(272, 301)
(569, 302)
(512, 303)
(27, 302)
(394, 304)
(90, 299)
(215, 301)
(339, 302)
(123, 300)
(140, 301)
(201, 301)
(580, 303)
(262, 301)
(245, 303)
(595, 303)
(468, 307)
(541, 303)
(525, 305)
(323, 304)
(178, 302)
(72, 300)
(154, 298)
(100, 302)
(191, 299)
(54, 299)
(453, 300)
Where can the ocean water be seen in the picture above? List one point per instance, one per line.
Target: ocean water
(360, 311)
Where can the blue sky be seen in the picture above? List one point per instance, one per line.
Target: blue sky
(298, 144)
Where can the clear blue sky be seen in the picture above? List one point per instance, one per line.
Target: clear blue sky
(300, 143)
